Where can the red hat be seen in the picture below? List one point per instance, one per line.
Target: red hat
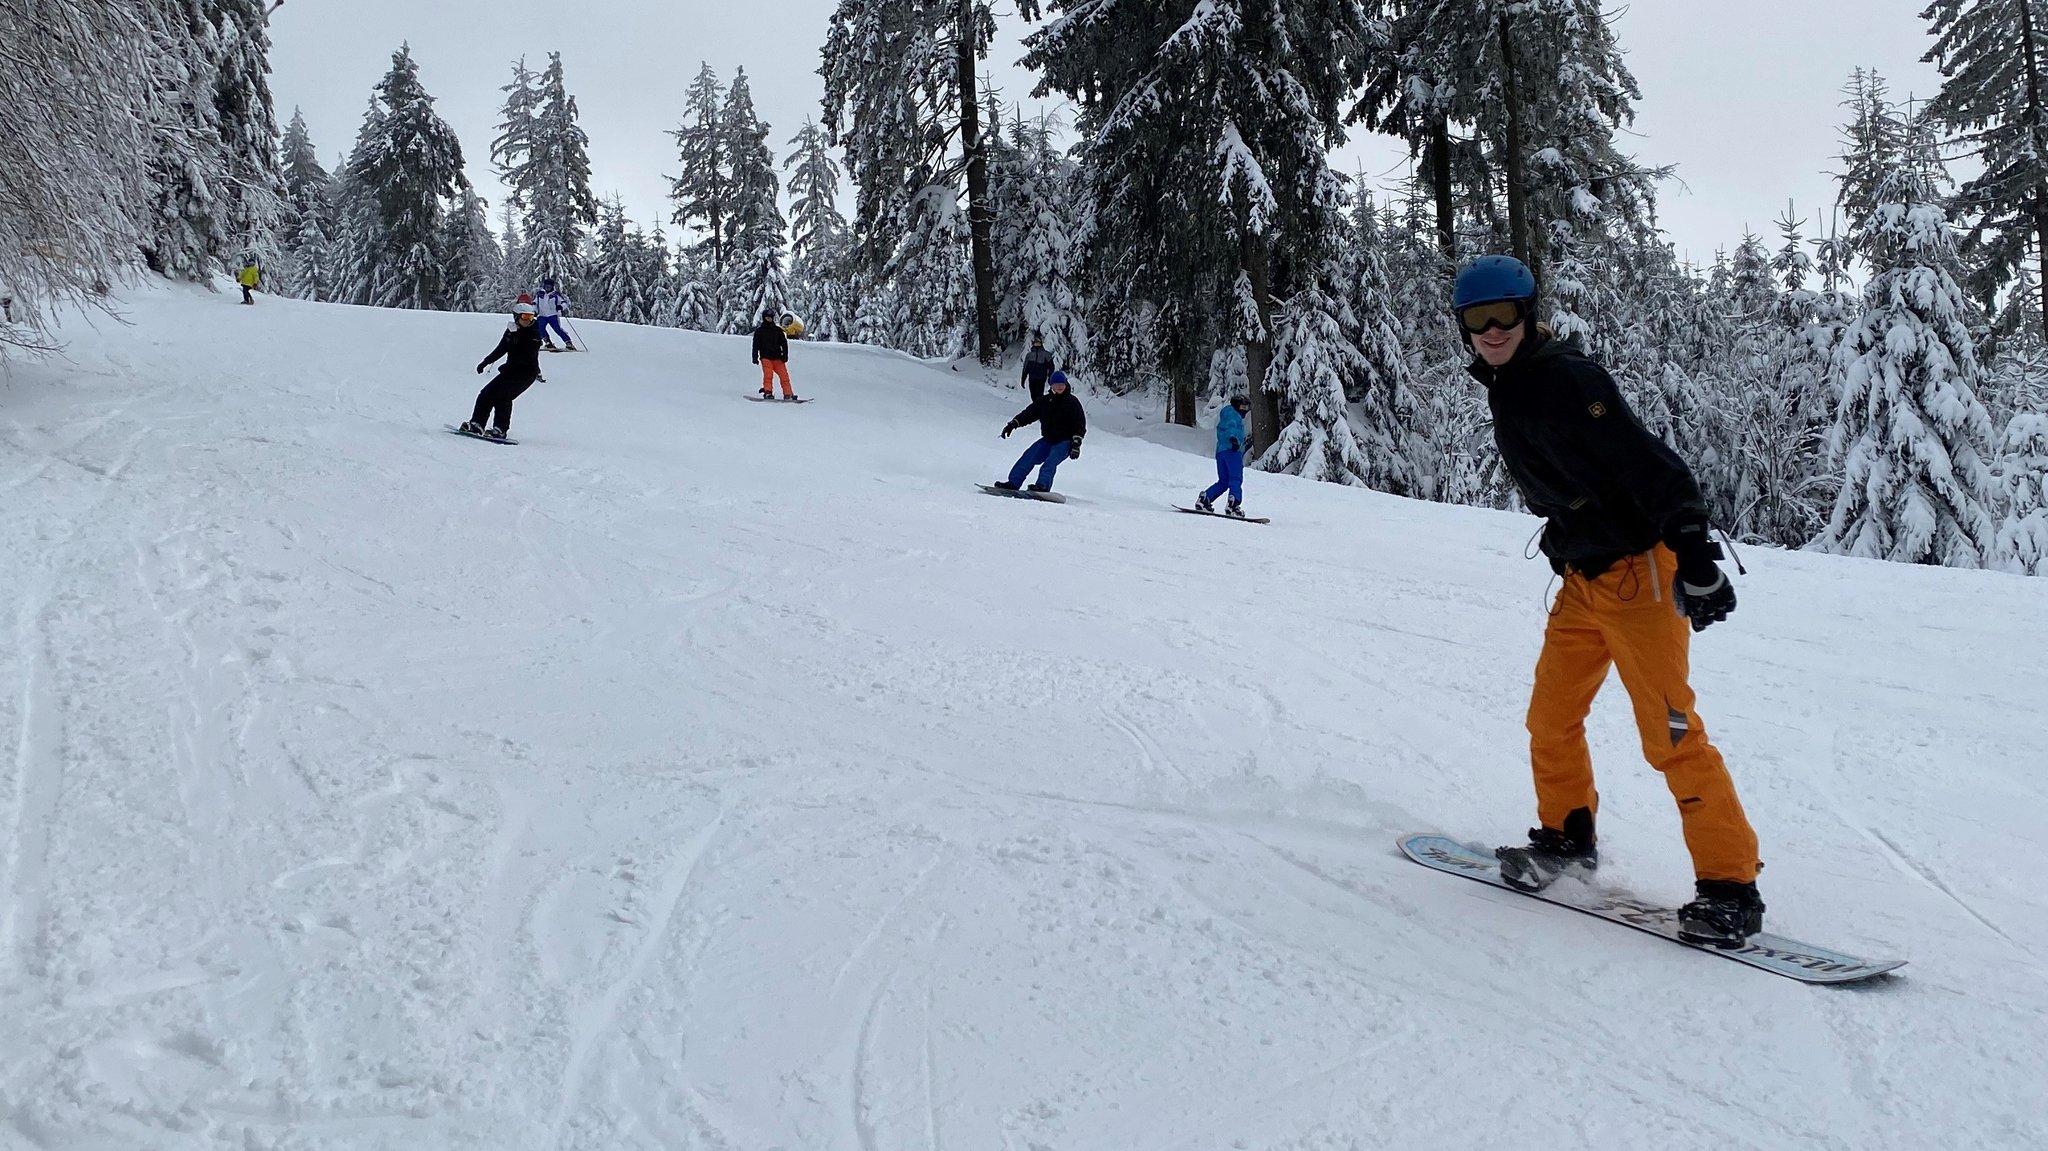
(524, 298)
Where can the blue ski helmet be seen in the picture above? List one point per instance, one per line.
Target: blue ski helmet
(1057, 378)
(1491, 279)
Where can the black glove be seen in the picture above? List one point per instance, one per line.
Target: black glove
(1234, 446)
(480, 369)
(1007, 429)
(757, 359)
(1074, 452)
(1701, 591)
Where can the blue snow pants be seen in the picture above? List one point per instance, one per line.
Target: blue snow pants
(555, 322)
(1229, 475)
(1050, 453)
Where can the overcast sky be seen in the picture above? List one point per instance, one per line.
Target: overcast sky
(1741, 95)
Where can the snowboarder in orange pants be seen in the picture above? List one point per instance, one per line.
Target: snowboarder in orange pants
(771, 351)
(1626, 526)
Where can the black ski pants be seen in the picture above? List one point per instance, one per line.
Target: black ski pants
(497, 398)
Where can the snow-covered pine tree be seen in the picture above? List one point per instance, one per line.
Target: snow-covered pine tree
(1993, 56)
(1455, 457)
(700, 190)
(1910, 432)
(188, 234)
(411, 165)
(1038, 266)
(1209, 126)
(1790, 411)
(304, 268)
(902, 99)
(1313, 360)
(77, 198)
(475, 266)
(358, 240)
(515, 277)
(251, 187)
(1382, 394)
(693, 299)
(931, 288)
(624, 279)
(2022, 543)
(543, 157)
(813, 190)
(753, 224)
(820, 243)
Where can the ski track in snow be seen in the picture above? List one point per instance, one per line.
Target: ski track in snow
(694, 777)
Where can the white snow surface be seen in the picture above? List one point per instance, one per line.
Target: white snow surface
(715, 775)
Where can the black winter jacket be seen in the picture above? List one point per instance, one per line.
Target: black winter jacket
(521, 349)
(770, 343)
(1058, 416)
(1607, 487)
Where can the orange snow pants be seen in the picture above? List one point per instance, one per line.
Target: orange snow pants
(772, 370)
(1624, 618)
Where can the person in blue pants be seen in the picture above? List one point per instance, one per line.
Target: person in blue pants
(1061, 424)
(1230, 441)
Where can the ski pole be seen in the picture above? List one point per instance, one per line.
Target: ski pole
(576, 335)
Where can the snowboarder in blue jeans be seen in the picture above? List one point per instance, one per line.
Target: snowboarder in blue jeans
(1061, 424)
(1229, 459)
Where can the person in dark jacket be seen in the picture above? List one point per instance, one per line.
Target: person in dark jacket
(1061, 424)
(1626, 527)
(520, 347)
(771, 351)
(1037, 367)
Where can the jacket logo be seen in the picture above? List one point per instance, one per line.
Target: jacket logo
(1598, 409)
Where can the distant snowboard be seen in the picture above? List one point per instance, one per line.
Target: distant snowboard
(1048, 497)
(761, 399)
(1773, 953)
(474, 436)
(1222, 515)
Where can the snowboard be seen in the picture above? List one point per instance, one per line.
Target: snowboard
(761, 399)
(1773, 953)
(1047, 497)
(472, 435)
(1222, 516)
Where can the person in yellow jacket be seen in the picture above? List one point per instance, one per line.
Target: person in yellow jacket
(250, 278)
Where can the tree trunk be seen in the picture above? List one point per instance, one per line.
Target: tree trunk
(2037, 129)
(980, 213)
(1517, 182)
(1256, 260)
(1440, 181)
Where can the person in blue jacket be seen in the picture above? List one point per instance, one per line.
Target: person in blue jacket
(1230, 442)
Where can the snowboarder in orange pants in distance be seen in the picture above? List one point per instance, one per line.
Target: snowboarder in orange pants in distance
(771, 351)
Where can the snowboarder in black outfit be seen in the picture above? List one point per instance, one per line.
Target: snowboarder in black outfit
(1038, 367)
(520, 346)
(771, 351)
(1061, 424)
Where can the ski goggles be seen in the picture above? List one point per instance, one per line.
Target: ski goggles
(1480, 318)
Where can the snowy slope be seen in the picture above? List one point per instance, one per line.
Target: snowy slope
(705, 774)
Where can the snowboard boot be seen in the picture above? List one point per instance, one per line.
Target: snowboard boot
(1004, 485)
(1725, 914)
(495, 433)
(1204, 504)
(790, 399)
(767, 393)
(471, 428)
(1040, 488)
(1549, 855)
(1234, 509)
